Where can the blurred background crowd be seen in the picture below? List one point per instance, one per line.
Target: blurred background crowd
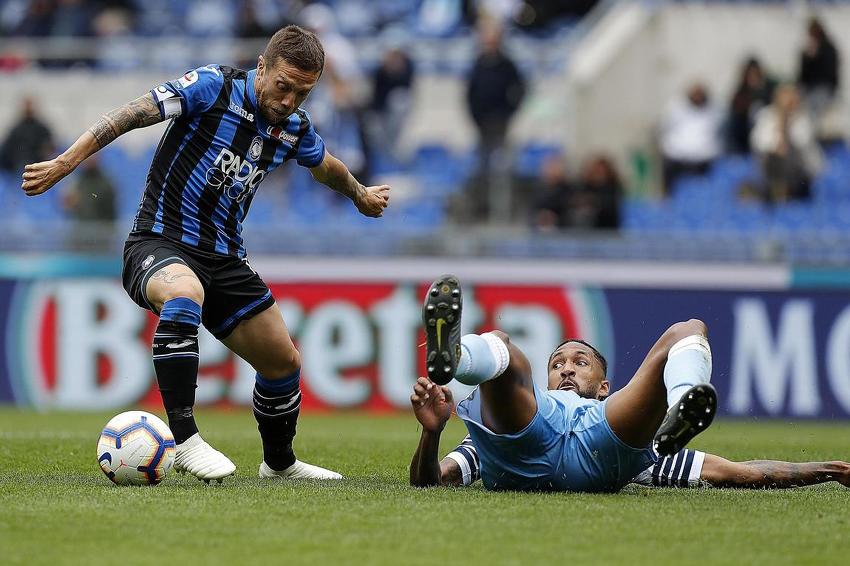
(763, 165)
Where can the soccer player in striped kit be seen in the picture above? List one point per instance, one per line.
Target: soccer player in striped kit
(184, 259)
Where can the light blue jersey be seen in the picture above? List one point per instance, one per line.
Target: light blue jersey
(567, 446)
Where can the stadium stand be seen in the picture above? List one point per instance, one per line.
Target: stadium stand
(709, 210)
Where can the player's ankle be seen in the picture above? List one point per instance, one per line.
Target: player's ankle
(279, 460)
(181, 421)
(483, 357)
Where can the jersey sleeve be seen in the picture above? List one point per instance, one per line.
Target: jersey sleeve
(190, 95)
(466, 457)
(683, 469)
(311, 150)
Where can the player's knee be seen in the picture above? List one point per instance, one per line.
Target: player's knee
(503, 336)
(186, 289)
(686, 328)
(282, 366)
(698, 326)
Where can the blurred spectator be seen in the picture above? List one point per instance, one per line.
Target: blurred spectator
(211, 18)
(754, 92)
(591, 203)
(494, 93)
(59, 19)
(116, 48)
(596, 201)
(444, 17)
(391, 99)
(784, 139)
(28, 141)
(551, 195)
(818, 70)
(690, 135)
(320, 19)
(501, 11)
(248, 25)
(90, 201)
(543, 15)
(37, 20)
(337, 102)
(258, 20)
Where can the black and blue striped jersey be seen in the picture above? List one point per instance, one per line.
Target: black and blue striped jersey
(214, 154)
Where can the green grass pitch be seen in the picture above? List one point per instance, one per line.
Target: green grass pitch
(56, 507)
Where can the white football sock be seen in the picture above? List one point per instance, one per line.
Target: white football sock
(482, 357)
(688, 364)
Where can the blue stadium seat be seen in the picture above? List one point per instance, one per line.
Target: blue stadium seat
(436, 168)
(640, 216)
(530, 158)
(793, 217)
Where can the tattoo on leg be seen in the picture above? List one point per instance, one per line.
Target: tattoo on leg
(167, 277)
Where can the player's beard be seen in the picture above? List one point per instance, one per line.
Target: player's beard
(590, 391)
(274, 118)
(269, 115)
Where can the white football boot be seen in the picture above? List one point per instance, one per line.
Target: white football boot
(299, 471)
(201, 460)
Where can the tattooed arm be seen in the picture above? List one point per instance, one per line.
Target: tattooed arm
(772, 474)
(39, 177)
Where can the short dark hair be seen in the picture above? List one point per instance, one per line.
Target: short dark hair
(297, 47)
(596, 353)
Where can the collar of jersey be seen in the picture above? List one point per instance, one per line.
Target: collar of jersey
(251, 95)
(249, 88)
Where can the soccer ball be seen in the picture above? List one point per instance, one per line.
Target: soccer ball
(136, 448)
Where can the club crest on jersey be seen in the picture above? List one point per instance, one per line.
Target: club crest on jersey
(281, 134)
(256, 148)
(147, 263)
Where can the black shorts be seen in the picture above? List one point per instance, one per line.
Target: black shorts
(233, 292)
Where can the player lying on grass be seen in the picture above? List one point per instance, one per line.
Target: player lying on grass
(686, 468)
(184, 259)
(564, 438)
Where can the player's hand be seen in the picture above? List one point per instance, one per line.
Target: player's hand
(432, 404)
(39, 177)
(372, 201)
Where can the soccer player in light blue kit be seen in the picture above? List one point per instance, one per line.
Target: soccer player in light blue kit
(562, 439)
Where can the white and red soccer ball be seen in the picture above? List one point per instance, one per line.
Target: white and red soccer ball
(136, 448)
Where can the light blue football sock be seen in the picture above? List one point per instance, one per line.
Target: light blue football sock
(688, 364)
(482, 357)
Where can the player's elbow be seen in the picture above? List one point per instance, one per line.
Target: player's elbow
(320, 172)
(327, 169)
(503, 336)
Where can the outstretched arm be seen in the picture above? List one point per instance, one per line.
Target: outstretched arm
(772, 474)
(432, 406)
(425, 466)
(39, 177)
(370, 201)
